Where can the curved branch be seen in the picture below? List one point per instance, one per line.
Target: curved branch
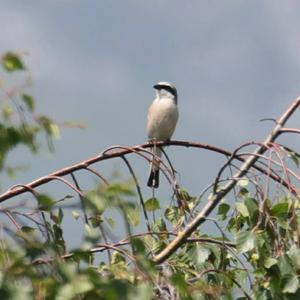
(21, 189)
(219, 195)
(289, 130)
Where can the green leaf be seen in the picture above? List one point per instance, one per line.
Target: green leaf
(28, 100)
(45, 122)
(28, 230)
(243, 192)
(133, 214)
(269, 262)
(117, 257)
(294, 254)
(172, 214)
(120, 188)
(75, 214)
(45, 202)
(294, 157)
(243, 182)
(245, 241)
(280, 209)
(7, 112)
(179, 281)
(139, 245)
(96, 201)
(284, 265)
(152, 204)
(242, 209)
(159, 225)
(11, 62)
(223, 210)
(92, 235)
(290, 284)
(199, 254)
(57, 216)
(251, 205)
(143, 291)
(82, 284)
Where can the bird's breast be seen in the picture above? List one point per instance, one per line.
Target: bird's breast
(162, 119)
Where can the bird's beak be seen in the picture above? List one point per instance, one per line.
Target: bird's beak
(156, 86)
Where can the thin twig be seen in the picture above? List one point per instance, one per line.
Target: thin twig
(81, 197)
(21, 189)
(138, 188)
(219, 195)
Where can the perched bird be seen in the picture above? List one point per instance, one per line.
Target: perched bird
(162, 119)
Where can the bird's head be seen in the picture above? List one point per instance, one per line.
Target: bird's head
(166, 89)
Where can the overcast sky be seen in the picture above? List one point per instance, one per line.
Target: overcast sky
(233, 62)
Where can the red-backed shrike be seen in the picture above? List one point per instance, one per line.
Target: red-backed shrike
(162, 119)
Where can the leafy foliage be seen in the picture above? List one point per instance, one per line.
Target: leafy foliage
(19, 124)
(252, 253)
(12, 62)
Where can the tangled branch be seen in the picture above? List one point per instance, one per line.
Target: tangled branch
(220, 194)
(112, 153)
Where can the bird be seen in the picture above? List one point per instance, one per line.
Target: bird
(162, 120)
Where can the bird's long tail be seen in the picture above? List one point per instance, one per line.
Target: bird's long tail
(153, 180)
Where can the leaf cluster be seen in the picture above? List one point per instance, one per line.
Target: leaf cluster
(254, 252)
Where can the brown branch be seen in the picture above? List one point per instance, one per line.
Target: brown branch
(192, 280)
(126, 241)
(289, 130)
(17, 190)
(219, 195)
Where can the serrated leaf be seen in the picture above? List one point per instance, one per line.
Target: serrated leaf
(242, 209)
(245, 241)
(11, 62)
(152, 204)
(28, 100)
